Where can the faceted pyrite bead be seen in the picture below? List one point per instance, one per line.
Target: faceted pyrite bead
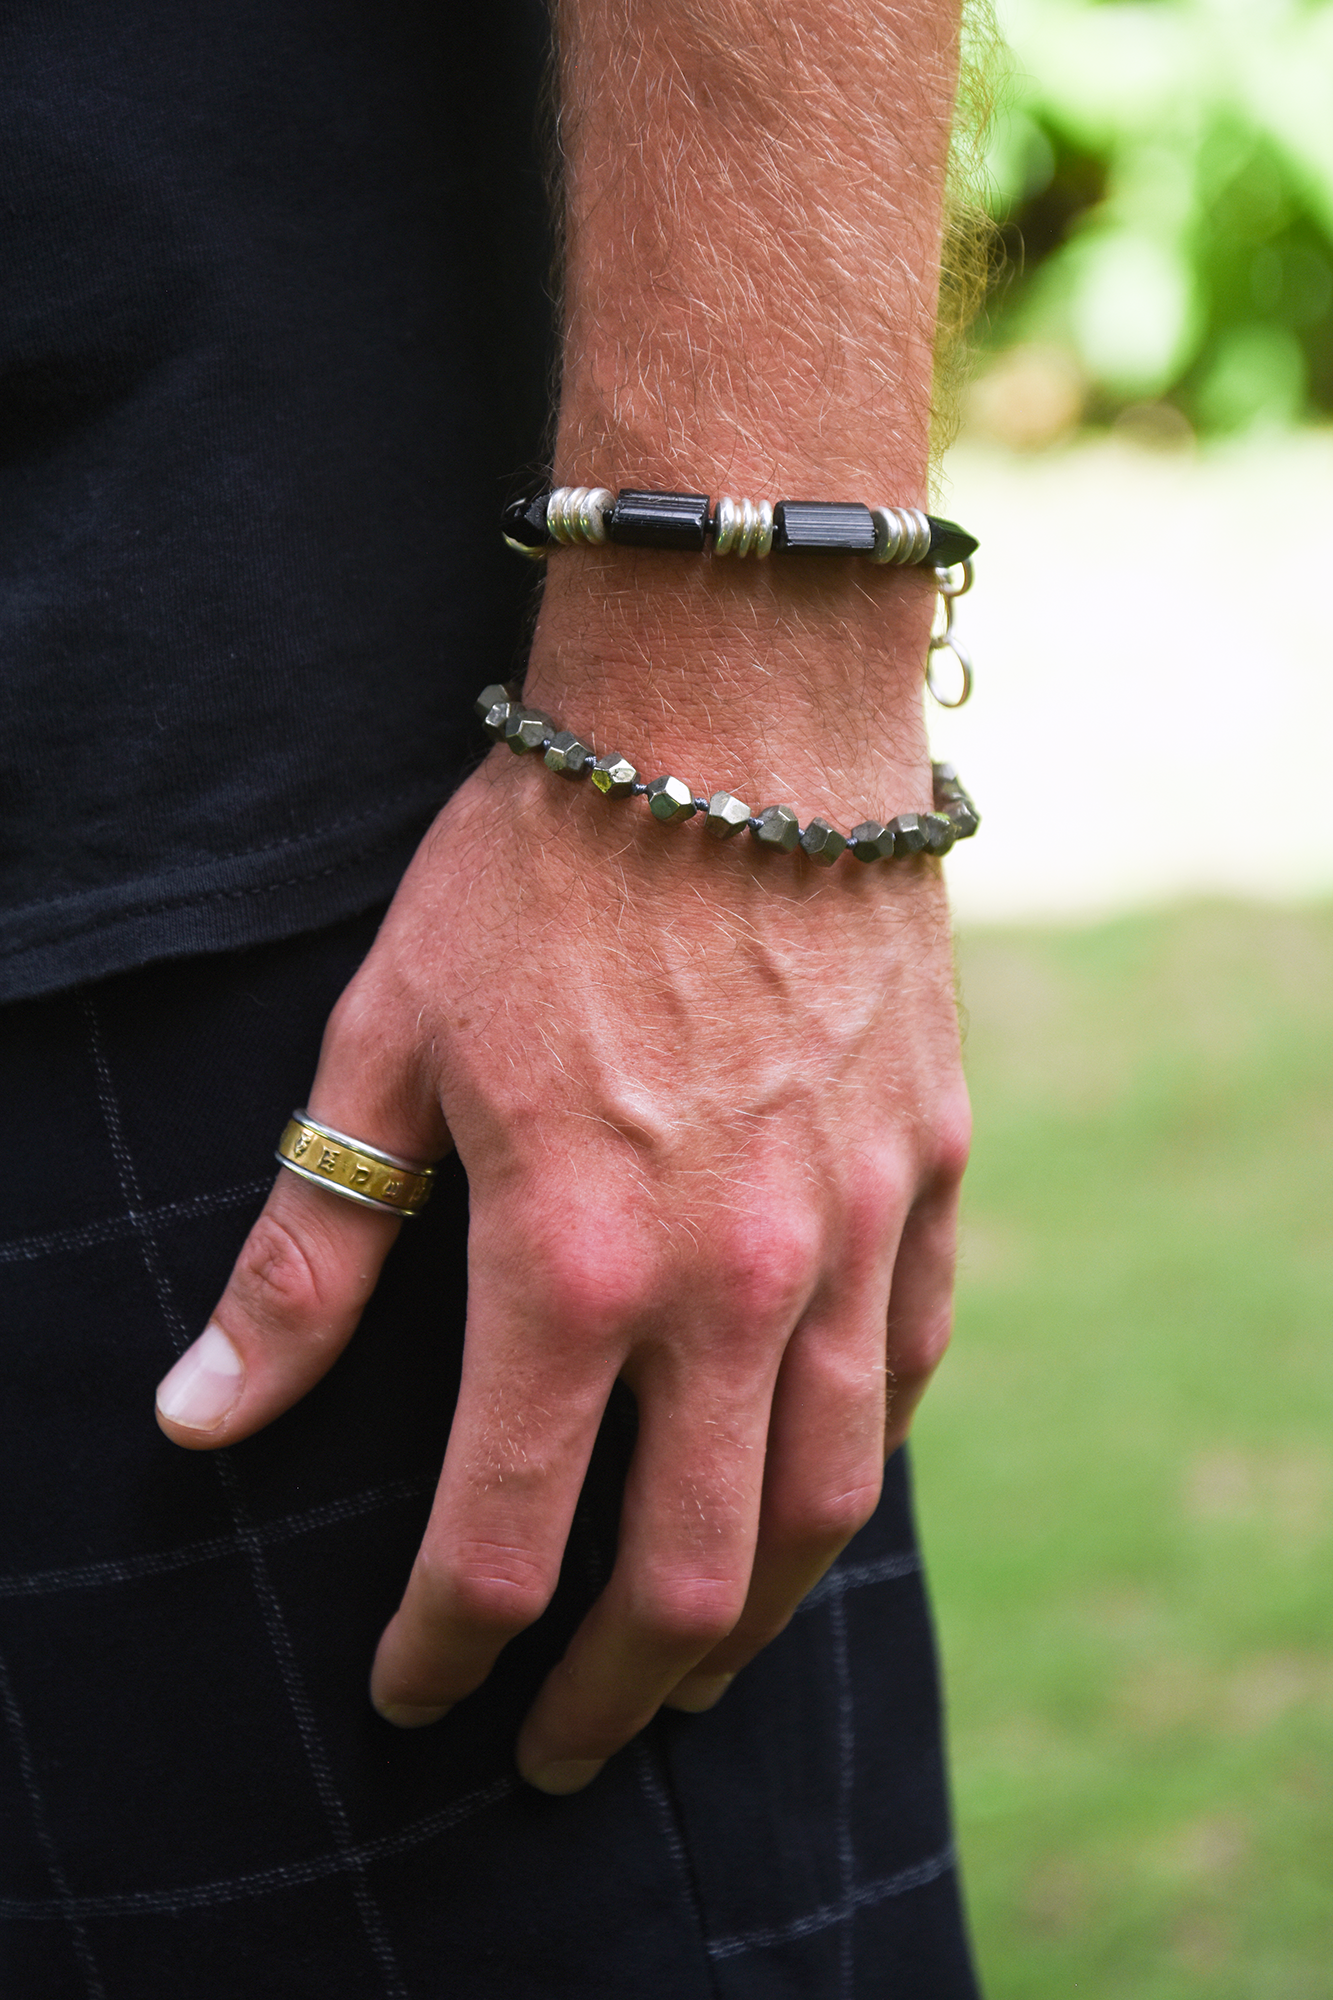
(822, 842)
(726, 816)
(670, 799)
(493, 705)
(944, 784)
(568, 756)
(778, 826)
(496, 691)
(953, 802)
(527, 729)
(909, 835)
(939, 833)
(614, 775)
(872, 842)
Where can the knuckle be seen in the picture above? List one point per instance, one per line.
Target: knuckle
(588, 1290)
(819, 1522)
(844, 1379)
(769, 1266)
(354, 1035)
(274, 1280)
(689, 1613)
(829, 1519)
(917, 1351)
(878, 1190)
(953, 1138)
(490, 1585)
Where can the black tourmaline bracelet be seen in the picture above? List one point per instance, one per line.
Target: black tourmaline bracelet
(690, 522)
(506, 719)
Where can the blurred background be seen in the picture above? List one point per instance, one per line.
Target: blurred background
(1126, 1467)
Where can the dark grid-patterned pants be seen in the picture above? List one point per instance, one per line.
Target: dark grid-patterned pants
(195, 1795)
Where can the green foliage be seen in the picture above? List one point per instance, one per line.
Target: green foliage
(1126, 1467)
(1162, 171)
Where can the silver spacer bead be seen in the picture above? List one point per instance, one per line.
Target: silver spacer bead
(902, 535)
(578, 513)
(743, 528)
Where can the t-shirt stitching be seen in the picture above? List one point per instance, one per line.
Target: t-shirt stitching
(114, 918)
(418, 793)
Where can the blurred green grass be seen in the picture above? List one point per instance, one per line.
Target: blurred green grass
(1126, 1467)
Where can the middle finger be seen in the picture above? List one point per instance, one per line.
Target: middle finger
(686, 1548)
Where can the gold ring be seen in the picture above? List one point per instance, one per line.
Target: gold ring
(353, 1169)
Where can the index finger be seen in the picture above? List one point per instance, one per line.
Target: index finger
(534, 1386)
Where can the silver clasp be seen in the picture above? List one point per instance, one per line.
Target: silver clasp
(942, 638)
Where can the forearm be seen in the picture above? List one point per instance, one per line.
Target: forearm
(752, 244)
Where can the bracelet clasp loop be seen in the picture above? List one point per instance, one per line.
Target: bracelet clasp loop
(943, 640)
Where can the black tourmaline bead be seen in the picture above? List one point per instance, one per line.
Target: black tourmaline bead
(940, 835)
(909, 835)
(823, 524)
(963, 817)
(525, 522)
(949, 544)
(660, 521)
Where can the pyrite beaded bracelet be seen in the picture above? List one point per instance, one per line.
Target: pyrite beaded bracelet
(691, 523)
(506, 718)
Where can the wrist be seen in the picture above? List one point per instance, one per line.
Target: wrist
(773, 683)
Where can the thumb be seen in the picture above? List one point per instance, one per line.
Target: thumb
(292, 1303)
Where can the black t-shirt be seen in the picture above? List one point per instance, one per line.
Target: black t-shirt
(274, 343)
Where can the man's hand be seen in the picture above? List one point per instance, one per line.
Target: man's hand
(710, 1109)
(708, 1101)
